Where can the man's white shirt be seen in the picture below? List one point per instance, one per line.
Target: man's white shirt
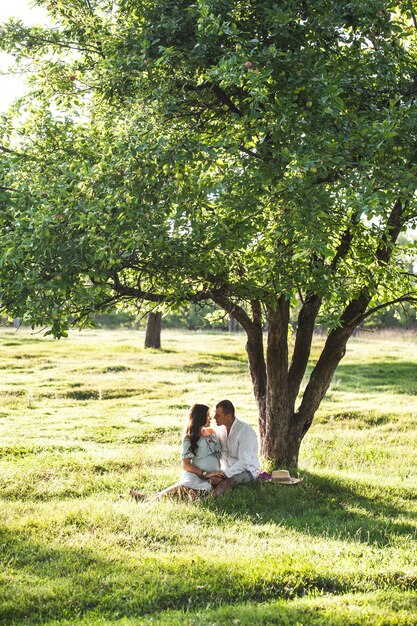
(240, 449)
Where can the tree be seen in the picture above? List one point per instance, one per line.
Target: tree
(153, 330)
(259, 154)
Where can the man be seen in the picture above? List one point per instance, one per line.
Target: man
(239, 460)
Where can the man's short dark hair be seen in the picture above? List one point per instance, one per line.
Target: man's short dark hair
(226, 406)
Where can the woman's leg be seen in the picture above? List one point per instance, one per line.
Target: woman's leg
(173, 490)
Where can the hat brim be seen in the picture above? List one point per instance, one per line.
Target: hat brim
(288, 481)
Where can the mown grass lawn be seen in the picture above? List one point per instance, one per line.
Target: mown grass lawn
(82, 420)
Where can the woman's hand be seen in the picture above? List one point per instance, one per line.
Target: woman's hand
(215, 477)
(215, 474)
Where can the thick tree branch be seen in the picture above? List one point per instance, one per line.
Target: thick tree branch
(224, 98)
(256, 312)
(234, 310)
(306, 322)
(412, 298)
(251, 153)
(134, 292)
(354, 311)
(254, 349)
(302, 346)
(345, 243)
(217, 294)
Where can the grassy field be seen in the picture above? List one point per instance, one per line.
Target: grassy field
(84, 419)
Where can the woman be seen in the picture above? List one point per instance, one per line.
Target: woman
(201, 450)
(200, 454)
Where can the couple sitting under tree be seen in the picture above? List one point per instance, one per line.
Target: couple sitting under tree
(214, 461)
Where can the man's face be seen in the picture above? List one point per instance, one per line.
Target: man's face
(221, 417)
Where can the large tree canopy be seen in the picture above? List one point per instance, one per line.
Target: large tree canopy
(259, 154)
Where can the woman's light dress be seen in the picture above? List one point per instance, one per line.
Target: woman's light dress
(207, 457)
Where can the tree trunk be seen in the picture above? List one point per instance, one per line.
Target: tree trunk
(284, 427)
(281, 427)
(278, 410)
(153, 331)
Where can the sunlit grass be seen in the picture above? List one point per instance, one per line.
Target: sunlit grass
(84, 419)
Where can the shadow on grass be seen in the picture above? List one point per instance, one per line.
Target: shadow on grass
(396, 609)
(62, 583)
(325, 507)
(52, 581)
(395, 376)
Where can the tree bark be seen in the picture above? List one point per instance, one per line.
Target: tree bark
(302, 347)
(153, 331)
(278, 411)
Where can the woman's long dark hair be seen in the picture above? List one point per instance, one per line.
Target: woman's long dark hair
(197, 418)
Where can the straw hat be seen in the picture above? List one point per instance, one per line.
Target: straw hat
(284, 477)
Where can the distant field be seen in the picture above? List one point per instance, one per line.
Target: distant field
(84, 419)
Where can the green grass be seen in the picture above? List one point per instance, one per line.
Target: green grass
(84, 419)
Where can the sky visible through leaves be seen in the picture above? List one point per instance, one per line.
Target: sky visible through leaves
(11, 86)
